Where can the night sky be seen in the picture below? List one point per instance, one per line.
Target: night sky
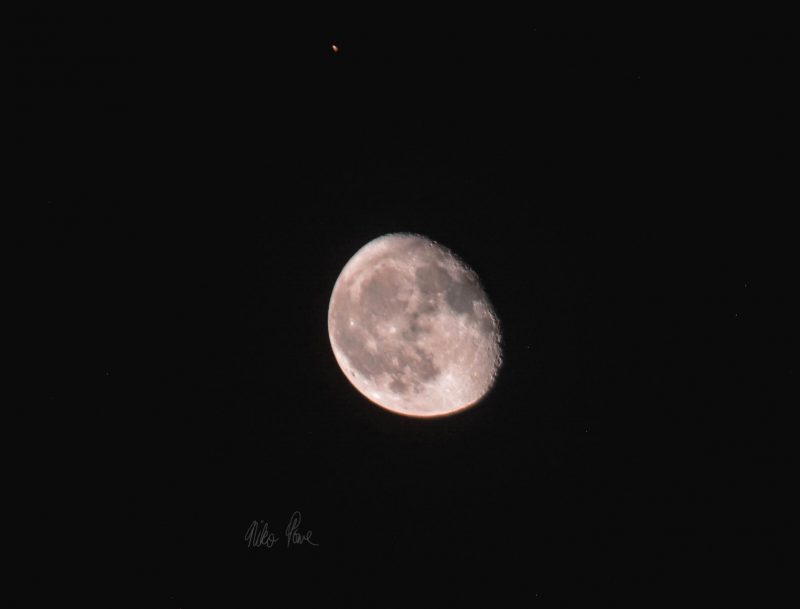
(198, 183)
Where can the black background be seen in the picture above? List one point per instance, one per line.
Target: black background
(198, 184)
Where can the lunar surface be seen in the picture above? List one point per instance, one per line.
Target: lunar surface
(412, 328)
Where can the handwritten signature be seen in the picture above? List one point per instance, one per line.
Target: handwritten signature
(259, 535)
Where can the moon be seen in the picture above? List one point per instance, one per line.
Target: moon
(412, 328)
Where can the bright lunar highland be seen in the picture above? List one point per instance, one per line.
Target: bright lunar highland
(412, 328)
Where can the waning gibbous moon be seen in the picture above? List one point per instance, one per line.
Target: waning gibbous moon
(412, 328)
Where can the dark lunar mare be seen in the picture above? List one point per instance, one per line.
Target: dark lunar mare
(380, 299)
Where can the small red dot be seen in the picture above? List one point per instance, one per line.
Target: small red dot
(335, 48)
